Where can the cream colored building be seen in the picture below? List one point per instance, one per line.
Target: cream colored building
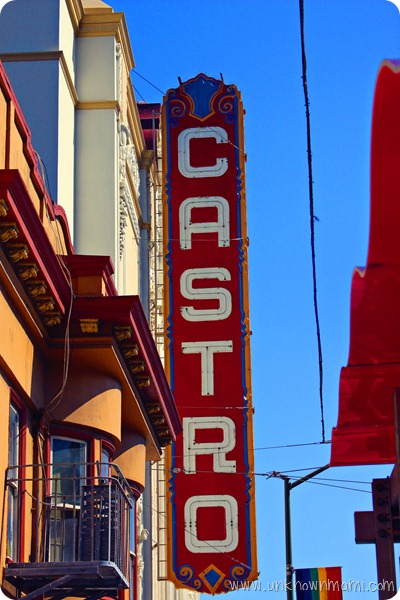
(94, 181)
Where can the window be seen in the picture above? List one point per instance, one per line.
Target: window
(68, 475)
(13, 486)
(105, 460)
(68, 457)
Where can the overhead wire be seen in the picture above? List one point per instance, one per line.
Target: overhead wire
(139, 94)
(147, 81)
(341, 487)
(312, 215)
(216, 451)
(324, 442)
(56, 399)
(316, 481)
(275, 474)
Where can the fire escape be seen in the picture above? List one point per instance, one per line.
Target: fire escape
(80, 530)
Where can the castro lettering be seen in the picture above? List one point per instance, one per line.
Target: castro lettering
(191, 425)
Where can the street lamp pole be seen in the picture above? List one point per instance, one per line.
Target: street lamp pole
(288, 486)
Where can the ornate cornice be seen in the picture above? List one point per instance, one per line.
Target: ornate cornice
(30, 253)
(102, 23)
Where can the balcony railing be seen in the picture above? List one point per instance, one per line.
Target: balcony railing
(78, 518)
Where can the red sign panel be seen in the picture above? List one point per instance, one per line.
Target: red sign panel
(211, 513)
(365, 433)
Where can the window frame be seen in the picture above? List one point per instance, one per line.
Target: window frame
(19, 408)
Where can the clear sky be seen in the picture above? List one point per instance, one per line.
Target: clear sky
(255, 44)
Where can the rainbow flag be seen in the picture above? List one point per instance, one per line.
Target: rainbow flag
(319, 584)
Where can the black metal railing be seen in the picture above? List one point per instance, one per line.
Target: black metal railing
(78, 513)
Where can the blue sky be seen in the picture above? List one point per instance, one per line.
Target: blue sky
(256, 45)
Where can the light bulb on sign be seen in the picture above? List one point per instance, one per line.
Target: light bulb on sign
(396, 3)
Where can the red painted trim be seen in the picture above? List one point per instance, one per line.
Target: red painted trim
(108, 447)
(61, 216)
(73, 433)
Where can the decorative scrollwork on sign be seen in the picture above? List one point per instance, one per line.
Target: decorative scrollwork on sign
(186, 573)
(226, 105)
(239, 572)
(177, 108)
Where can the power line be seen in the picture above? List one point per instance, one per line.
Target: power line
(324, 442)
(275, 474)
(149, 82)
(139, 94)
(312, 215)
(341, 487)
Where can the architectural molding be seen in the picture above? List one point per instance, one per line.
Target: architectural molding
(133, 119)
(129, 186)
(75, 9)
(142, 535)
(93, 6)
(99, 105)
(102, 23)
(45, 56)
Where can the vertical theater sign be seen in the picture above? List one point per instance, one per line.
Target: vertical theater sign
(211, 511)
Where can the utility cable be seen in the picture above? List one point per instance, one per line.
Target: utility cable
(56, 399)
(139, 94)
(267, 448)
(278, 474)
(312, 215)
(149, 82)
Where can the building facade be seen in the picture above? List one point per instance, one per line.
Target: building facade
(84, 399)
